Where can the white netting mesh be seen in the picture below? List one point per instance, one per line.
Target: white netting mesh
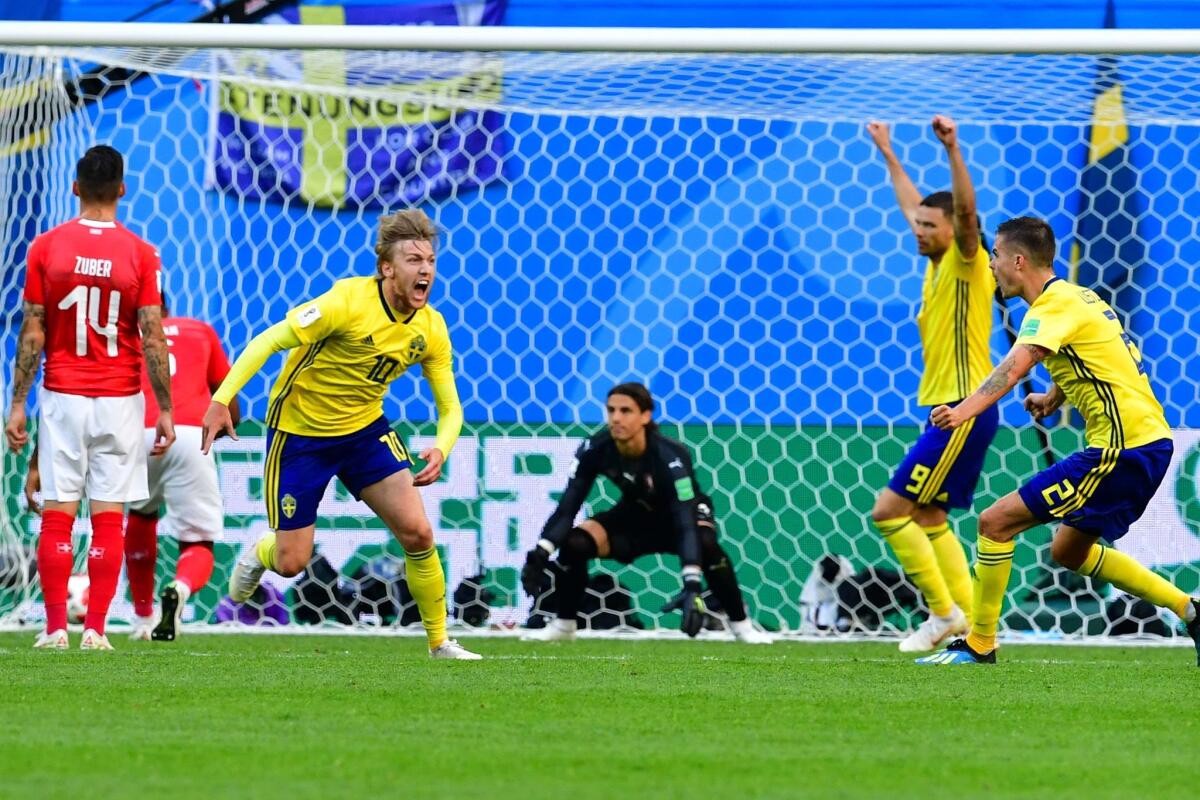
(718, 226)
(827, 87)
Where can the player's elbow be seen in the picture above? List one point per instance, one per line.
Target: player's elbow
(33, 338)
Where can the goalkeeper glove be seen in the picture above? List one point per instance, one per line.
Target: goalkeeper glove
(692, 606)
(536, 561)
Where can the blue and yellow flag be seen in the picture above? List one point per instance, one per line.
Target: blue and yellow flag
(359, 148)
(1109, 248)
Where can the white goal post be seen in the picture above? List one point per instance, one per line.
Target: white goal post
(699, 209)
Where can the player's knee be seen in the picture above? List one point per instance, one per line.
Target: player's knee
(884, 509)
(994, 526)
(418, 538)
(711, 553)
(578, 548)
(289, 565)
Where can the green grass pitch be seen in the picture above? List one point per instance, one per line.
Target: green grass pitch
(359, 717)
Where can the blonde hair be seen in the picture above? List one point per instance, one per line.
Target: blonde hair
(409, 225)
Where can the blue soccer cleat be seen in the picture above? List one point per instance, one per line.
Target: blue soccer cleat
(958, 652)
(1193, 629)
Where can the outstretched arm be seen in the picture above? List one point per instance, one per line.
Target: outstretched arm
(583, 475)
(907, 195)
(966, 216)
(218, 420)
(1004, 377)
(30, 343)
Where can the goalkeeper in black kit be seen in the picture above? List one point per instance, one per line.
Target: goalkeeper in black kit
(661, 510)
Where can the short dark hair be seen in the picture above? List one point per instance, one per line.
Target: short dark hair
(640, 396)
(99, 174)
(1032, 236)
(942, 200)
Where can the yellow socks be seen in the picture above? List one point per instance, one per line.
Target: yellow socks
(993, 564)
(427, 584)
(952, 561)
(915, 553)
(266, 550)
(1125, 573)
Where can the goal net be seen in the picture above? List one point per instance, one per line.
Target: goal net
(716, 225)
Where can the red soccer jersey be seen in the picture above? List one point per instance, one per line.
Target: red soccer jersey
(198, 365)
(92, 277)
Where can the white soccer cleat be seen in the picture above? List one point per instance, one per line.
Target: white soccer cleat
(55, 640)
(453, 650)
(247, 572)
(94, 641)
(935, 630)
(142, 626)
(558, 630)
(745, 632)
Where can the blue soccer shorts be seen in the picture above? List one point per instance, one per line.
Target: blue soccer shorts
(299, 468)
(1100, 491)
(942, 467)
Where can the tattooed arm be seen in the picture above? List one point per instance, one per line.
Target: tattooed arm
(1004, 377)
(30, 343)
(154, 343)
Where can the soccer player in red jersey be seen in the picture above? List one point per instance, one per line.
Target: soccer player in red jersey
(184, 479)
(91, 286)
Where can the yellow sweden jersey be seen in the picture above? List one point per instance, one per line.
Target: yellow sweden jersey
(955, 321)
(1096, 365)
(354, 345)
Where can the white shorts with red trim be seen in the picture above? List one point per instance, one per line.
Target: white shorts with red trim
(92, 446)
(185, 480)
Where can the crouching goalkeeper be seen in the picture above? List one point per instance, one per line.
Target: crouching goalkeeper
(661, 510)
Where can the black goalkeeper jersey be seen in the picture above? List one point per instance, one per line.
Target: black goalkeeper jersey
(662, 482)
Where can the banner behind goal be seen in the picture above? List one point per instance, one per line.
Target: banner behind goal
(716, 225)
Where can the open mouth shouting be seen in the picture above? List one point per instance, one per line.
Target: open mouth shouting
(420, 292)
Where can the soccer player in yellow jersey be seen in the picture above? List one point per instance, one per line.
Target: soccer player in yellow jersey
(941, 469)
(325, 416)
(1094, 495)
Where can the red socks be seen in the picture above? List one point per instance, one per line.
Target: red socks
(195, 565)
(141, 552)
(54, 561)
(105, 555)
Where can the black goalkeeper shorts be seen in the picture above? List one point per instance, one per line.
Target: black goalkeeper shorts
(634, 531)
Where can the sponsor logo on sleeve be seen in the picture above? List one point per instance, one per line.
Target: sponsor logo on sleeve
(308, 316)
(1030, 327)
(683, 489)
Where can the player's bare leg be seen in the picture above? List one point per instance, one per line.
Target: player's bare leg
(999, 525)
(397, 501)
